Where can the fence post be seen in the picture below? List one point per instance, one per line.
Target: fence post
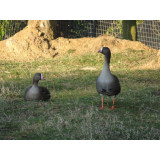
(129, 29)
(94, 28)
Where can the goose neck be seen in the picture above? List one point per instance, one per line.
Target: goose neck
(35, 83)
(106, 67)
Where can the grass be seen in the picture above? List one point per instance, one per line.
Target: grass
(72, 112)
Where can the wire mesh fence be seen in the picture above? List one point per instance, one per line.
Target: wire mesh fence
(89, 28)
(9, 28)
(148, 31)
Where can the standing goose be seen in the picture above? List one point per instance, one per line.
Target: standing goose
(107, 83)
(35, 92)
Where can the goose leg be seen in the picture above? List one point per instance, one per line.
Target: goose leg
(102, 103)
(113, 103)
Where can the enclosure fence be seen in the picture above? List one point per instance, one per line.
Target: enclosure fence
(148, 31)
(9, 28)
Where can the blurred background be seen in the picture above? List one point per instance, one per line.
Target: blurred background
(145, 31)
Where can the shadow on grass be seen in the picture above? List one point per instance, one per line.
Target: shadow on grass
(137, 87)
(72, 112)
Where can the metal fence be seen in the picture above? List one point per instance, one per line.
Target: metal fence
(89, 28)
(9, 28)
(148, 31)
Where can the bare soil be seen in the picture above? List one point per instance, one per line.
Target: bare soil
(30, 44)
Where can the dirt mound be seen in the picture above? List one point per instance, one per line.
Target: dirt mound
(29, 44)
(25, 45)
(92, 45)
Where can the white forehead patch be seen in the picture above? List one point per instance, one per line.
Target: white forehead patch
(41, 76)
(101, 49)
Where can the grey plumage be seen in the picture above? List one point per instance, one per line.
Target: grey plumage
(36, 92)
(107, 83)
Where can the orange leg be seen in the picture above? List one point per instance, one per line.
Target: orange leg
(102, 103)
(113, 103)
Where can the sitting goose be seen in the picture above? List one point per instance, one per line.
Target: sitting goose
(107, 83)
(35, 92)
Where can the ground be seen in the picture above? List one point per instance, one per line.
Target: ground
(30, 44)
(73, 110)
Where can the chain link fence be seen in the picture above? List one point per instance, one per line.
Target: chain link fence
(89, 28)
(148, 31)
(9, 28)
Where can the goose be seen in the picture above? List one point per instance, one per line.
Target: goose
(36, 92)
(107, 83)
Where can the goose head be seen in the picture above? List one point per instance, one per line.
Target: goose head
(37, 77)
(106, 51)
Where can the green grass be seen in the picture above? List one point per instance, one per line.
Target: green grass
(72, 112)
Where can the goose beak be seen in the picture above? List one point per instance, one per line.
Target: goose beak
(43, 78)
(99, 51)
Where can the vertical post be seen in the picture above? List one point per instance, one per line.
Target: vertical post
(94, 28)
(129, 29)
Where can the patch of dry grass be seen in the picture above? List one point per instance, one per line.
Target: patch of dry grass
(72, 112)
